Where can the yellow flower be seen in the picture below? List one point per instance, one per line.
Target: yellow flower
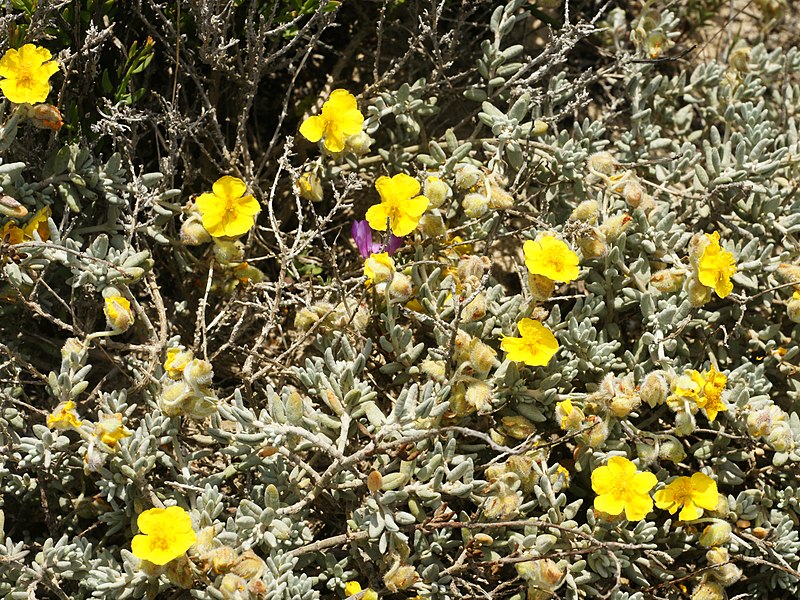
(551, 258)
(400, 205)
(351, 588)
(38, 223)
(711, 400)
(620, 487)
(571, 416)
(227, 211)
(689, 385)
(167, 535)
(118, 313)
(693, 493)
(340, 118)
(11, 233)
(536, 346)
(64, 416)
(716, 267)
(378, 268)
(110, 430)
(27, 72)
(177, 359)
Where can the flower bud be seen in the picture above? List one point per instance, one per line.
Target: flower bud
(11, 208)
(305, 319)
(358, 143)
(602, 163)
(500, 199)
(517, 427)
(541, 287)
(193, 233)
(672, 450)
(176, 361)
(569, 417)
(472, 266)
(475, 310)
(708, 590)
(668, 280)
(587, 211)
(400, 577)
(228, 251)
(45, 116)
(118, 313)
(434, 368)
(789, 274)
(172, 398)
(633, 193)
(738, 59)
(73, 346)
(222, 559)
(400, 288)
(597, 435)
(374, 481)
(482, 357)
(475, 205)
(613, 227)
(198, 373)
(780, 438)
(697, 292)
(592, 244)
(234, 587)
(478, 396)
(309, 186)
(539, 127)
(378, 268)
(656, 44)
(654, 389)
(249, 566)
(684, 423)
(467, 176)
(436, 191)
(432, 225)
(793, 307)
(716, 534)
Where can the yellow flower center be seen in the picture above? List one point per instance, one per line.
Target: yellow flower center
(682, 490)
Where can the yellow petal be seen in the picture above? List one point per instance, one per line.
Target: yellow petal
(31, 53)
(247, 205)
(644, 482)
(610, 504)
(313, 128)
(228, 187)
(238, 225)
(416, 206)
(341, 101)
(385, 188)
(351, 121)
(377, 216)
(209, 203)
(665, 499)
(602, 480)
(403, 224)
(637, 507)
(690, 512)
(705, 493)
(214, 223)
(150, 520)
(405, 187)
(334, 139)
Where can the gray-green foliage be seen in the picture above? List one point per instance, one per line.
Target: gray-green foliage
(362, 437)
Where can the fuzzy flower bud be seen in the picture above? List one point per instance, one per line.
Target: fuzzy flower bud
(475, 205)
(709, 590)
(432, 225)
(500, 199)
(602, 163)
(472, 266)
(668, 280)
(654, 389)
(198, 373)
(613, 227)
(11, 208)
(716, 534)
(697, 292)
(45, 116)
(400, 577)
(793, 307)
(539, 127)
(592, 244)
(400, 288)
(118, 313)
(672, 450)
(309, 187)
(222, 559)
(358, 143)
(234, 587)
(467, 176)
(437, 191)
(587, 211)
(193, 233)
(478, 396)
(249, 566)
(597, 435)
(475, 310)
(482, 357)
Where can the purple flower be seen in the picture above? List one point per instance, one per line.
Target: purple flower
(362, 235)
